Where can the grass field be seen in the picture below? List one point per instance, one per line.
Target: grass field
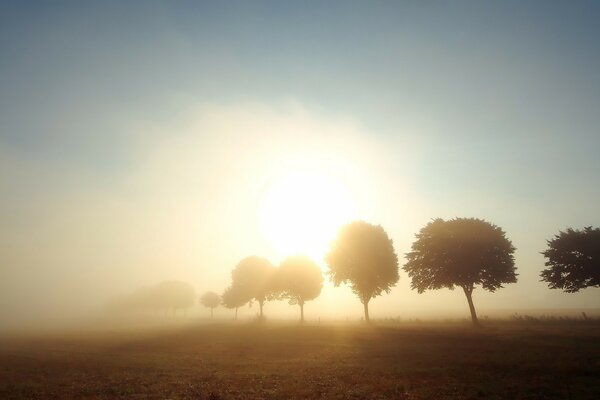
(285, 360)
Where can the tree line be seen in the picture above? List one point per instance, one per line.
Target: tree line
(461, 252)
(298, 279)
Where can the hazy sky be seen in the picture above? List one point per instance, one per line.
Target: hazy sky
(138, 139)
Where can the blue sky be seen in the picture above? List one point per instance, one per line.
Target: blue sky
(483, 70)
(488, 109)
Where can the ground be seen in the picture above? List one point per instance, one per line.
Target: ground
(330, 361)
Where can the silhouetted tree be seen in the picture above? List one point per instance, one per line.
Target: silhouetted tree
(234, 297)
(254, 276)
(299, 280)
(573, 260)
(364, 256)
(210, 300)
(462, 252)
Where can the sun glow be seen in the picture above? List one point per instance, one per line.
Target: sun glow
(302, 209)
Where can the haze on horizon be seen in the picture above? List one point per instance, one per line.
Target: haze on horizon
(150, 141)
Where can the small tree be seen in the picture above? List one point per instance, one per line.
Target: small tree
(254, 276)
(234, 297)
(210, 300)
(363, 255)
(299, 280)
(462, 252)
(573, 260)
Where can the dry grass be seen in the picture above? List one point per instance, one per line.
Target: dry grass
(280, 361)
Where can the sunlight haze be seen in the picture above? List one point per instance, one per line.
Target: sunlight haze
(146, 141)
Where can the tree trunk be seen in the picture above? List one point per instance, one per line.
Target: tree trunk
(469, 293)
(260, 305)
(211, 313)
(366, 307)
(235, 314)
(301, 312)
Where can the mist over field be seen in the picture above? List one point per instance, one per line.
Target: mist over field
(313, 200)
(148, 142)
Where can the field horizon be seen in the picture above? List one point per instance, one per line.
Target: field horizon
(223, 200)
(102, 322)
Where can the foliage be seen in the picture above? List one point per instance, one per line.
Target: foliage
(299, 279)
(363, 255)
(253, 276)
(234, 297)
(210, 299)
(573, 260)
(462, 252)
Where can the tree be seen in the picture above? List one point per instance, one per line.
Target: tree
(166, 295)
(573, 260)
(172, 295)
(462, 252)
(234, 297)
(254, 276)
(299, 280)
(210, 300)
(363, 255)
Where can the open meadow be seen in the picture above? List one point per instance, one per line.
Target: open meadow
(277, 360)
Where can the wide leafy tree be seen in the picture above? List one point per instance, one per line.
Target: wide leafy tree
(573, 258)
(463, 252)
(254, 276)
(210, 300)
(363, 255)
(234, 297)
(299, 280)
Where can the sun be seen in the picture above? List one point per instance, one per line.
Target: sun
(302, 209)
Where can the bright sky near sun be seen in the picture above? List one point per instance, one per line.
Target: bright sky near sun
(303, 206)
(143, 141)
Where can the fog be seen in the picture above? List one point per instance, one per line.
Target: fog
(125, 164)
(186, 208)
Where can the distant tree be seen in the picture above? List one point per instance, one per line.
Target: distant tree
(462, 252)
(363, 255)
(254, 276)
(172, 295)
(210, 300)
(299, 280)
(234, 297)
(166, 295)
(573, 260)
